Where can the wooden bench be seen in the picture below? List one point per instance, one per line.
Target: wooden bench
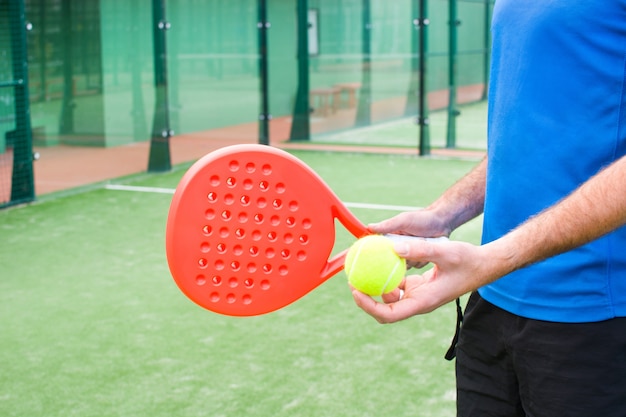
(323, 101)
(347, 94)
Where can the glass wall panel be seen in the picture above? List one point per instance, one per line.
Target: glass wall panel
(213, 66)
(471, 132)
(65, 78)
(391, 58)
(283, 66)
(464, 123)
(128, 70)
(337, 64)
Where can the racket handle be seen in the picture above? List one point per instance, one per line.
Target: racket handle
(407, 238)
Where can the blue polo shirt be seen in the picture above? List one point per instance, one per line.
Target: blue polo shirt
(557, 115)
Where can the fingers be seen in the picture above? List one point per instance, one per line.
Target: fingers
(383, 313)
(419, 252)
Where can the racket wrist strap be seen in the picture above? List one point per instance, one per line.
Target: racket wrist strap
(451, 353)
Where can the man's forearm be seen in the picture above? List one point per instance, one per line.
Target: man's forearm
(594, 209)
(464, 200)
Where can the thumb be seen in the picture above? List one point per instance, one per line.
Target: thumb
(418, 250)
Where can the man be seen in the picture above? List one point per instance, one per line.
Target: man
(544, 332)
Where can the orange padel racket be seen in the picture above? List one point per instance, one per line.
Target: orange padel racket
(251, 229)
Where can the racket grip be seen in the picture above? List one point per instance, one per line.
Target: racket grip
(407, 238)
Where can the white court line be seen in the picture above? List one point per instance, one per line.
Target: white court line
(119, 187)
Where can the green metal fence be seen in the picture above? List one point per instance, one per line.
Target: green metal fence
(16, 171)
(105, 73)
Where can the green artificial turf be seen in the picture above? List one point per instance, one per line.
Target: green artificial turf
(93, 325)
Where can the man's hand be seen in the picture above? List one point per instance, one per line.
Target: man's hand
(458, 269)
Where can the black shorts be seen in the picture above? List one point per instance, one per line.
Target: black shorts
(511, 366)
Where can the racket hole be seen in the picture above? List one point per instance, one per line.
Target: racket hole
(219, 265)
(288, 238)
(275, 220)
(246, 299)
(301, 256)
(226, 215)
(245, 200)
(224, 232)
(238, 250)
(267, 268)
(271, 236)
(248, 184)
(267, 169)
(231, 182)
(214, 297)
(283, 270)
(229, 199)
(214, 180)
(254, 251)
(250, 167)
(230, 298)
(285, 253)
(291, 222)
(240, 233)
(203, 263)
(258, 218)
(233, 283)
(293, 206)
(265, 285)
(221, 248)
(251, 268)
(205, 247)
(306, 223)
(261, 203)
(233, 166)
(207, 230)
(209, 214)
(216, 280)
(304, 239)
(280, 188)
(256, 235)
(264, 185)
(248, 282)
(212, 197)
(243, 217)
(270, 253)
(277, 204)
(235, 266)
(200, 280)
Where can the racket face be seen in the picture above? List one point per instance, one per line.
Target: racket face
(250, 228)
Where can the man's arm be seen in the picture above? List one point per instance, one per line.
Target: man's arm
(594, 209)
(458, 204)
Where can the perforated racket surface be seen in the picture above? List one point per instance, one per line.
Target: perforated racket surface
(251, 229)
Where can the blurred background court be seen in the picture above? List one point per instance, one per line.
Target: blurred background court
(142, 85)
(386, 100)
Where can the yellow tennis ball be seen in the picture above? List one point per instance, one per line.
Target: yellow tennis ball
(373, 267)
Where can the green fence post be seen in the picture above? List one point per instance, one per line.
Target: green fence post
(22, 178)
(487, 45)
(453, 111)
(300, 126)
(423, 118)
(66, 122)
(364, 110)
(264, 118)
(159, 159)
